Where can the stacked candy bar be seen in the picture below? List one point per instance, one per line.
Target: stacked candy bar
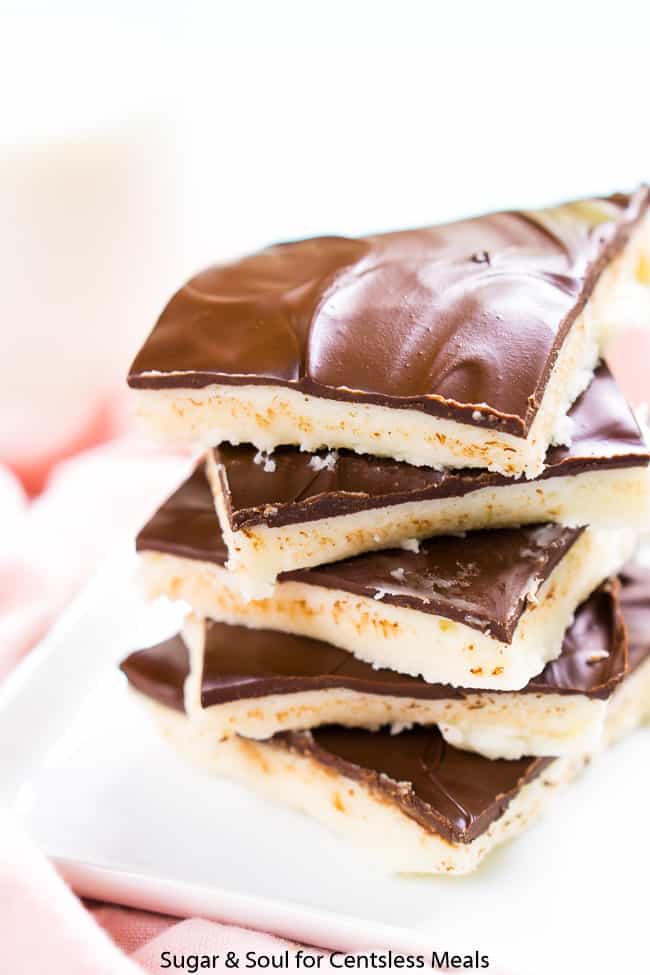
(407, 546)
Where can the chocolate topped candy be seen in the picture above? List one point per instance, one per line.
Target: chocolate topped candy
(487, 609)
(461, 345)
(446, 790)
(257, 683)
(294, 509)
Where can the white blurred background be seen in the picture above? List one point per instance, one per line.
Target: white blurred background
(141, 141)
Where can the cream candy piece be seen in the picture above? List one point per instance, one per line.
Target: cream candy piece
(496, 725)
(371, 823)
(510, 725)
(399, 637)
(614, 498)
(292, 509)
(268, 415)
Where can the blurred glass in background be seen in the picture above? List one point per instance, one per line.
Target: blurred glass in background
(89, 227)
(141, 141)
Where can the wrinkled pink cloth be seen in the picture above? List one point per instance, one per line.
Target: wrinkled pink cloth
(44, 927)
(52, 545)
(49, 549)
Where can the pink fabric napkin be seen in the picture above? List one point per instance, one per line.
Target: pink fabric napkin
(46, 929)
(206, 938)
(50, 547)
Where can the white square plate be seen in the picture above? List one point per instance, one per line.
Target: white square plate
(126, 821)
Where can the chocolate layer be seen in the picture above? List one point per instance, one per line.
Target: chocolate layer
(186, 524)
(241, 664)
(451, 792)
(159, 672)
(482, 579)
(462, 321)
(305, 486)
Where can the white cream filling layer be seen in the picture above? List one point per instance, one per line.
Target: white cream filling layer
(372, 824)
(441, 650)
(494, 725)
(618, 498)
(268, 416)
(509, 726)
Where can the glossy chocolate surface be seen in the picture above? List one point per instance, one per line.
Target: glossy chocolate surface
(186, 524)
(305, 486)
(447, 791)
(159, 671)
(243, 664)
(481, 579)
(462, 321)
